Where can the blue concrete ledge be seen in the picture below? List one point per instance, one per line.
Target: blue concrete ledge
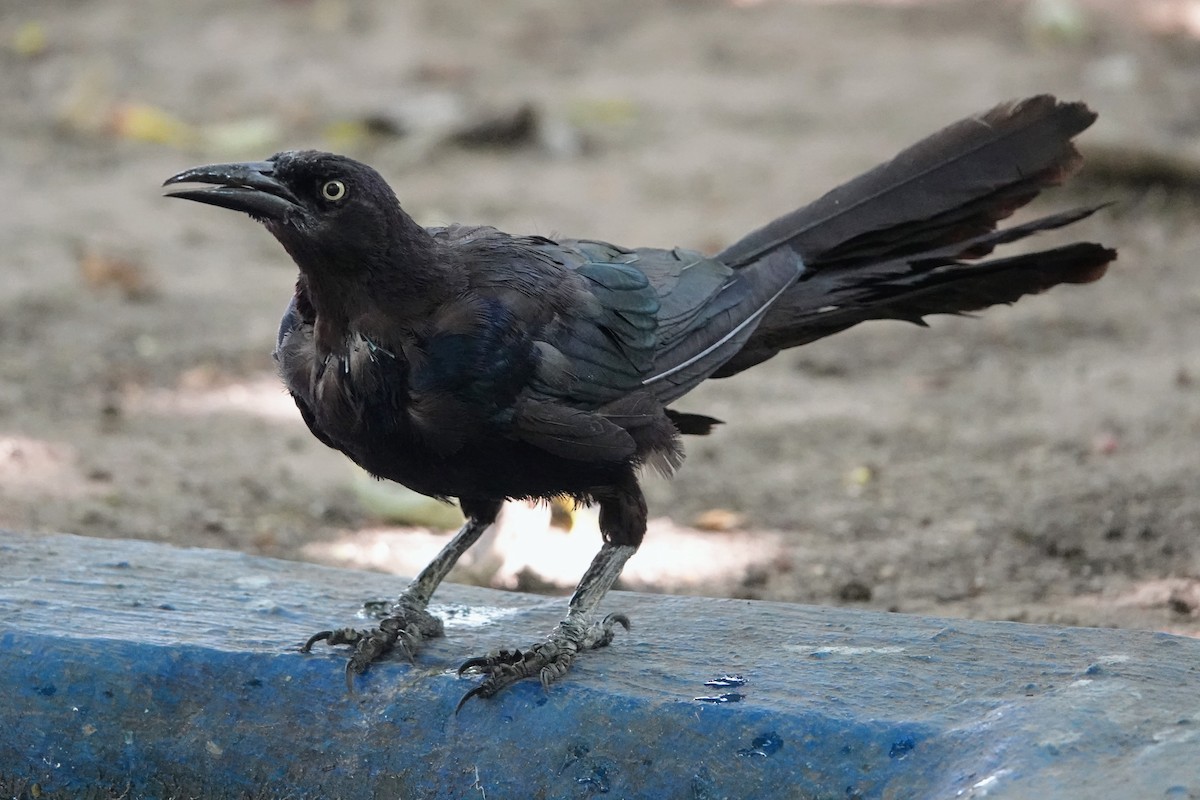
(146, 671)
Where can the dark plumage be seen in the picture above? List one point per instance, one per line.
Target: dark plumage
(465, 362)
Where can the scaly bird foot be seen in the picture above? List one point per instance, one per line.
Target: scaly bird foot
(405, 627)
(548, 660)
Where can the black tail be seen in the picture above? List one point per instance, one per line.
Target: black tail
(899, 242)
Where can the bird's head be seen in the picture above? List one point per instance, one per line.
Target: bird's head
(326, 210)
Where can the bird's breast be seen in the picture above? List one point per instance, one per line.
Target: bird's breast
(373, 404)
(344, 388)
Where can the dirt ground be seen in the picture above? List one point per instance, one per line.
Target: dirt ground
(1039, 463)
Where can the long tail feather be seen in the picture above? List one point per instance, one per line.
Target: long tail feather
(900, 241)
(955, 288)
(956, 183)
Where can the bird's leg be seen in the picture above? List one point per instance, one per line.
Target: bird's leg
(409, 622)
(623, 524)
(551, 658)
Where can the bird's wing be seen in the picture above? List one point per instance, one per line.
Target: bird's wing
(707, 313)
(650, 321)
(576, 346)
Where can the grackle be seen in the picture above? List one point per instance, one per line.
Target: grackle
(468, 363)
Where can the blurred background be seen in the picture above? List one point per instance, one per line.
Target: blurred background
(1040, 463)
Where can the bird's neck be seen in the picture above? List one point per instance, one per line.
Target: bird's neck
(381, 293)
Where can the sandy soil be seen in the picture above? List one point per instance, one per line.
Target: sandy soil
(1039, 463)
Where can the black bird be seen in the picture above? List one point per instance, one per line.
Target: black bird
(468, 363)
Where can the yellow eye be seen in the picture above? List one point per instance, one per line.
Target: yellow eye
(334, 190)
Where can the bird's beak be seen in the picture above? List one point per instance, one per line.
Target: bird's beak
(250, 187)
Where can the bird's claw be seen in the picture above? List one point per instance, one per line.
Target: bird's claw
(404, 629)
(491, 660)
(548, 660)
